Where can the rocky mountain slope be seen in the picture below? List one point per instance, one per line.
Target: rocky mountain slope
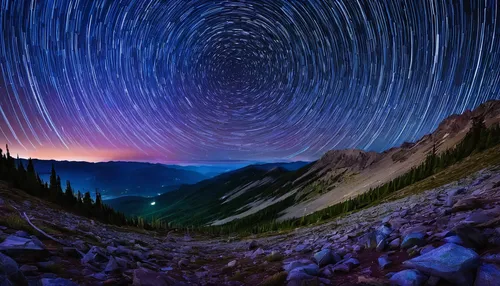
(367, 170)
(336, 177)
(449, 235)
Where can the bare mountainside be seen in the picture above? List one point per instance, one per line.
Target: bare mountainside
(364, 170)
(336, 177)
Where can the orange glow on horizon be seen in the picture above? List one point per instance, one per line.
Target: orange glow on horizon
(75, 154)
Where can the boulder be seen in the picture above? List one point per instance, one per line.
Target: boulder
(409, 277)
(384, 262)
(451, 262)
(232, 263)
(487, 275)
(467, 204)
(112, 265)
(145, 277)
(394, 244)
(471, 237)
(183, 263)
(493, 258)
(304, 248)
(479, 217)
(304, 265)
(13, 242)
(381, 235)
(94, 255)
(9, 272)
(253, 245)
(325, 257)
(298, 278)
(412, 239)
(22, 233)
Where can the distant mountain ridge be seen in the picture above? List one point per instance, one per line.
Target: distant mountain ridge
(115, 179)
(337, 176)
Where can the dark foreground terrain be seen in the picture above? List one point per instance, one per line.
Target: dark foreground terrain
(449, 235)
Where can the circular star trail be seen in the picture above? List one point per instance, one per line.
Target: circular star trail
(239, 80)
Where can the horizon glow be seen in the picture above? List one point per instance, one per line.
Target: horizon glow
(226, 81)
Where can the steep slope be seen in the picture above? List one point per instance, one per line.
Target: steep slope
(209, 200)
(368, 169)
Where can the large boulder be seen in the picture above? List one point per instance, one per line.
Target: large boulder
(16, 242)
(471, 237)
(488, 275)
(409, 277)
(451, 262)
(10, 273)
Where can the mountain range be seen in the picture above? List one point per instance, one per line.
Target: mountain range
(115, 179)
(337, 176)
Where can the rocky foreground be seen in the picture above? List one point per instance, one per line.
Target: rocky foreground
(445, 236)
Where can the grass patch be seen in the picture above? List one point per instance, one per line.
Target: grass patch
(274, 257)
(237, 277)
(16, 222)
(277, 279)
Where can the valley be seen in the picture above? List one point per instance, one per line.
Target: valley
(285, 195)
(379, 245)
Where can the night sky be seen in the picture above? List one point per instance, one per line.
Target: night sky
(205, 81)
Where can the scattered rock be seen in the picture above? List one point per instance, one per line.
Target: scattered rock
(488, 275)
(394, 244)
(325, 257)
(253, 245)
(412, 239)
(232, 263)
(305, 266)
(57, 282)
(467, 204)
(22, 233)
(16, 242)
(112, 265)
(451, 262)
(145, 277)
(408, 277)
(384, 262)
(9, 270)
(183, 263)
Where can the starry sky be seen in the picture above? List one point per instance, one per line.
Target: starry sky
(217, 81)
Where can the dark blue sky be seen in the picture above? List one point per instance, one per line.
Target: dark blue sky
(179, 81)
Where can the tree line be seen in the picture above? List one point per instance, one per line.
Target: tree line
(477, 139)
(25, 178)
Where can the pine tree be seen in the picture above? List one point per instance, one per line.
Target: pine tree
(53, 184)
(68, 194)
(98, 199)
(87, 201)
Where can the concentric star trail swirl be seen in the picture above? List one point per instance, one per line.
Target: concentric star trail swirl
(217, 80)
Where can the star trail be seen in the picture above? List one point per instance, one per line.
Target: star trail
(187, 81)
